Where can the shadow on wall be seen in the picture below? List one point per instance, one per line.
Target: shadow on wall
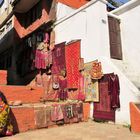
(20, 71)
(12, 119)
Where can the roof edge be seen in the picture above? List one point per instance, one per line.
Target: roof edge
(79, 10)
(126, 7)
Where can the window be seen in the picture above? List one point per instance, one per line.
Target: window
(115, 38)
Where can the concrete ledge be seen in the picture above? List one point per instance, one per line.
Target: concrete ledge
(24, 117)
(3, 77)
(135, 117)
(23, 93)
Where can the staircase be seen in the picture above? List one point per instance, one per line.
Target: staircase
(129, 92)
(132, 72)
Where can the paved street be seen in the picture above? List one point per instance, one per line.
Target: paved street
(81, 131)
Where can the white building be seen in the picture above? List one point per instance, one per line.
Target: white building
(90, 24)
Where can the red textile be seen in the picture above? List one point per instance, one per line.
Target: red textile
(58, 55)
(73, 94)
(114, 90)
(96, 71)
(81, 95)
(102, 110)
(56, 113)
(72, 63)
(50, 93)
(63, 95)
(64, 110)
(81, 64)
(43, 59)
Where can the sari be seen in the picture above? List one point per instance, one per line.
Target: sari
(6, 129)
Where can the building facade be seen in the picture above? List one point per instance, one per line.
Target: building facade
(16, 27)
(106, 36)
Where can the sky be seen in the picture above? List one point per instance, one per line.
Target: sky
(121, 1)
(0, 1)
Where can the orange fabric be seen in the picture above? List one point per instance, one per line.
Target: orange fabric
(86, 111)
(73, 3)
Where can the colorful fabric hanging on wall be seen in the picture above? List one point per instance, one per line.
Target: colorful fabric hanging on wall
(91, 85)
(59, 63)
(73, 94)
(81, 94)
(46, 38)
(114, 90)
(96, 70)
(81, 64)
(43, 116)
(52, 40)
(56, 113)
(50, 93)
(43, 57)
(40, 118)
(72, 63)
(63, 95)
(102, 110)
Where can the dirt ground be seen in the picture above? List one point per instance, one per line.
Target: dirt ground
(81, 131)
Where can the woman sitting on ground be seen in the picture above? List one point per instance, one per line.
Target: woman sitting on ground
(6, 129)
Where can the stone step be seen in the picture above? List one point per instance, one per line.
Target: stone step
(27, 116)
(25, 94)
(128, 72)
(3, 77)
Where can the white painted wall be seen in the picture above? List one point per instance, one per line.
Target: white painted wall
(130, 34)
(131, 41)
(4, 6)
(91, 26)
(130, 37)
(63, 10)
(88, 26)
(128, 91)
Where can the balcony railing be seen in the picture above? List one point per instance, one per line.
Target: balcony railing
(6, 28)
(5, 14)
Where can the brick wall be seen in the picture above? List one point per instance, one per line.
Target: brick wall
(135, 117)
(3, 77)
(23, 93)
(22, 119)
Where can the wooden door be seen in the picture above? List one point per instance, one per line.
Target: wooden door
(115, 38)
